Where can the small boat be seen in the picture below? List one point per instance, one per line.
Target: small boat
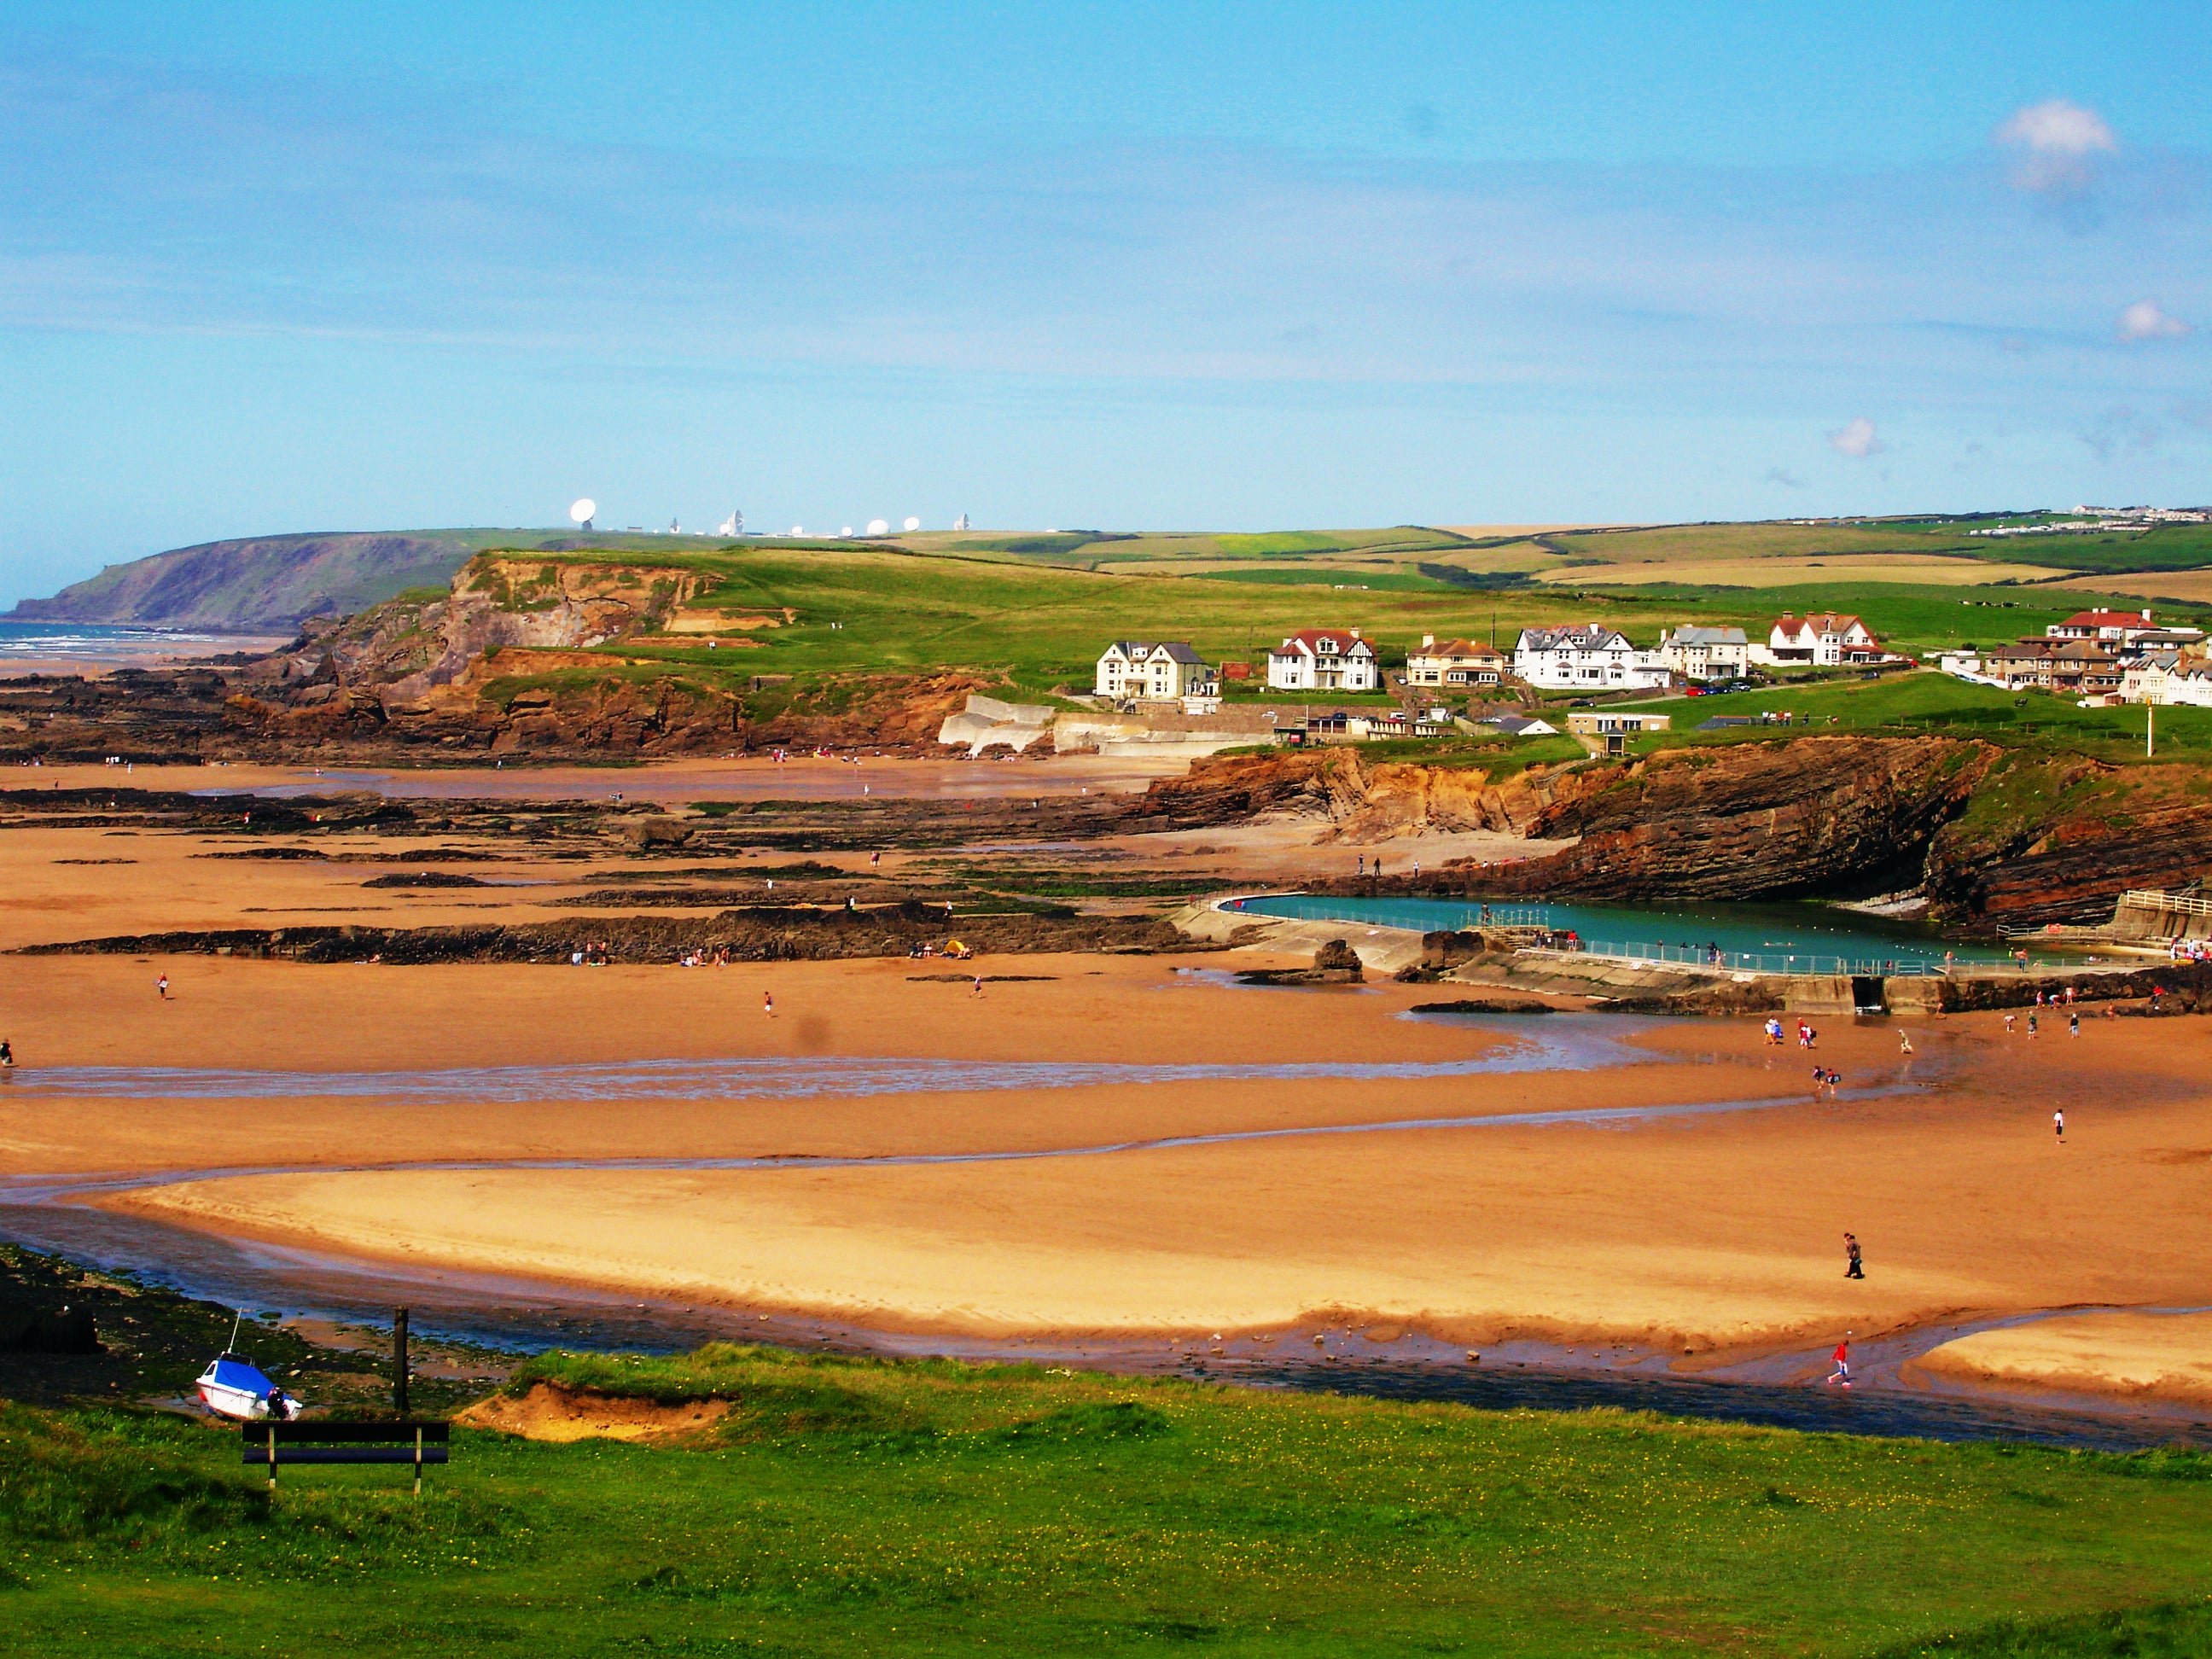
(234, 1386)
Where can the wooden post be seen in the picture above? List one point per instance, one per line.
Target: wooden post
(399, 1361)
(418, 1460)
(272, 1458)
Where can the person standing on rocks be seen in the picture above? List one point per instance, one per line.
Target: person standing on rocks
(1855, 1264)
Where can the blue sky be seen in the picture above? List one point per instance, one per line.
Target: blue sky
(272, 267)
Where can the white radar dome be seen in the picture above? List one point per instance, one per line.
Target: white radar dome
(912, 523)
(878, 527)
(583, 509)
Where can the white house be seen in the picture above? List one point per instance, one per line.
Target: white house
(1455, 662)
(1825, 640)
(1706, 653)
(1324, 660)
(1587, 658)
(1144, 668)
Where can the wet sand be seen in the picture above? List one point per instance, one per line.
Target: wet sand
(736, 777)
(1715, 1233)
(2121, 1355)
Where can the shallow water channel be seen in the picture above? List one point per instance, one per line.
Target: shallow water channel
(39, 1211)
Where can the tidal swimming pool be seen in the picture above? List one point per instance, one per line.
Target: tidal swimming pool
(1811, 938)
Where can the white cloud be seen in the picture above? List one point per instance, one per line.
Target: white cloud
(1784, 476)
(2146, 321)
(1857, 440)
(2058, 144)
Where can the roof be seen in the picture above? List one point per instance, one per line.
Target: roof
(1721, 722)
(1820, 622)
(1455, 649)
(1348, 639)
(1694, 635)
(1137, 650)
(1582, 636)
(1516, 724)
(2107, 619)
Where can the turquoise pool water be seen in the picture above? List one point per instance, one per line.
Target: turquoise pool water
(1809, 939)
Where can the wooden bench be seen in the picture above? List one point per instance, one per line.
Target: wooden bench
(296, 1442)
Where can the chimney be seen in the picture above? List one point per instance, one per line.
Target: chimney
(1430, 639)
(1355, 633)
(2146, 613)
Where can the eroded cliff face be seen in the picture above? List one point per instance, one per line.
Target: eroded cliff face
(532, 701)
(2058, 838)
(1350, 800)
(1994, 837)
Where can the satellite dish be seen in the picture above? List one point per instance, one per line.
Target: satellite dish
(583, 509)
(846, 531)
(799, 530)
(879, 527)
(912, 524)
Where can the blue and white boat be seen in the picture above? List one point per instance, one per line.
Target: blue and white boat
(232, 1385)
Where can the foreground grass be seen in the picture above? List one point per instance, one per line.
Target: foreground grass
(852, 1507)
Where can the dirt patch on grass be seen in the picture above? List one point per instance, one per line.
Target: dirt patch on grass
(549, 1412)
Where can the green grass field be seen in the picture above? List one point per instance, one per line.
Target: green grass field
(879, 610)
(1936, 704)
(863, 1508)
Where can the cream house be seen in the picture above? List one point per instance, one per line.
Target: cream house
(1144, 668)
(1706, 653)
(1455, 663)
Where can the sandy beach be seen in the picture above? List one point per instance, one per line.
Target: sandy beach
(1697, 1234)
(1714, 1233)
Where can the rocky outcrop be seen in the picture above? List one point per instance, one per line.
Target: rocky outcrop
(1350, 798)
(758, 934)
(2059, 838)
(1754, 820)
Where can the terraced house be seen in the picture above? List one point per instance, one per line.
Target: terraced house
(1324, 660)
(1144, 668)
(1587, 657)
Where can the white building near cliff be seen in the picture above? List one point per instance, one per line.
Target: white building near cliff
(1324, 660)
(1587, 657)
(1155, 670)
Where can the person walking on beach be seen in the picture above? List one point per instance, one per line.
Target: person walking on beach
(1855, 1266)
(1843, 1372)
(2074, 1023)
(2034, 1020)
(161, 987)
(7, 1055)
(2009, 1018)
(768, 1004)
(2058, 1124)
(978, 991)
(1904, 1042)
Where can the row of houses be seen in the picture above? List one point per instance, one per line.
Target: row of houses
(2105, 655)
(1584, 657)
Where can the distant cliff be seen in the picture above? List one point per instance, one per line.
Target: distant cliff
(263, 585)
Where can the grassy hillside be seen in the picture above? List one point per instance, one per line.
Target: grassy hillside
(859, 610)
(856, 1507)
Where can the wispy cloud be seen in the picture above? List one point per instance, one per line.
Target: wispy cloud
(1856, 439)
(2146, 321)
(1787, 480)
(2058, 145)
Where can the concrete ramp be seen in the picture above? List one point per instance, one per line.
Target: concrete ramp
(987, 722)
